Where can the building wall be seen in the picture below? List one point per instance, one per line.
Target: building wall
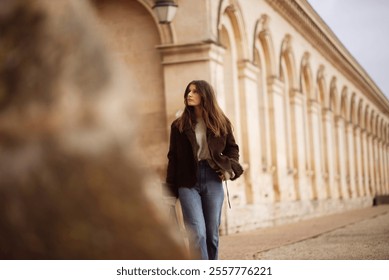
(133, 36)
(312, 126)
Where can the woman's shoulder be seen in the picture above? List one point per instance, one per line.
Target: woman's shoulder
(228, 125)
(174, 123)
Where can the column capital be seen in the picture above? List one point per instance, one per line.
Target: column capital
(275, 85)
(269, 169)
(327, 110)
(248, 70)
(313, 102)
(313, 106)
(296, 96)
(339, 119)
(357, 129)
(349, 126)
(327, 114)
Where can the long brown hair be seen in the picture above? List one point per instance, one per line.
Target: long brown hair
(213, 115)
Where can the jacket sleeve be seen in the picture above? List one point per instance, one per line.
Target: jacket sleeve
(172, 162)
(231, 150)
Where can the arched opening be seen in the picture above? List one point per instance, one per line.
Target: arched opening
(230, 74)
(263, 121)
(291, 118)
(265, 59)
(234, 99)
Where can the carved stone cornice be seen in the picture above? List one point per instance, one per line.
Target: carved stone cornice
(309, 24)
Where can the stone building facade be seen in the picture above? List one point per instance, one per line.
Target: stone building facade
(312, 126)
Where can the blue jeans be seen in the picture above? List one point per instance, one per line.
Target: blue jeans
(201, 208)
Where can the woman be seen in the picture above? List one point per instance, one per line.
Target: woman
(202, 153)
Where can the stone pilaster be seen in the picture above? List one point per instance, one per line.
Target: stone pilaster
(329, 151)
(341, 157)
(351, 160)
(365, 162)
(359, 164)
(386, 169)
(371, 163)
(303, 187)
(282, 177)
(379, 165)
(256, 190)
(316, 149)
(375, 166)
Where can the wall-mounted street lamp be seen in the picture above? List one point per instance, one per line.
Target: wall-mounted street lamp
(166, 10)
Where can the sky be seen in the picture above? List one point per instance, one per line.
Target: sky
(363, 28)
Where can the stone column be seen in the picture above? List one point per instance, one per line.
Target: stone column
(386, 167)
(303, 188)
(256, 189)
(267, 164)
(351, 178)
(283, 185)
(365, 162)
(383, 175)
(385, 156)
(382, 160)
(379, 165)
(359, 168)
(371, 164)
(316, 149)
(341, 160)
(375, 166)
(329, 152)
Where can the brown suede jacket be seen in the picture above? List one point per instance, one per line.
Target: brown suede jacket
(183, 163)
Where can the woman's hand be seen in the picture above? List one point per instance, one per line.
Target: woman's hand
(224, 176)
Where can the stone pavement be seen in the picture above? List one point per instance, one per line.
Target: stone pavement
(356, 234)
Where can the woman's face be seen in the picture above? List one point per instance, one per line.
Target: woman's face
(193, 98)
